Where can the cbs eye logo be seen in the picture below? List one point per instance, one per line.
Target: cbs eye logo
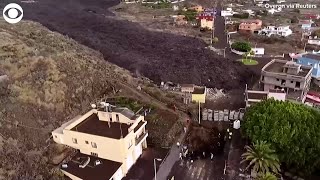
(12, 13)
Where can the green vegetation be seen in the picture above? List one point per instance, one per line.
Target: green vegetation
(261, 158)
(249, 62)
(291, 129)
(241, 46)
(267, 176)
(190, 15)
(215, 40)
(132, 104)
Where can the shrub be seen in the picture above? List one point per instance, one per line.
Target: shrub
(241, 46)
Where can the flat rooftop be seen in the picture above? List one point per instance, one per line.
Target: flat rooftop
(312, 56)
(199, 90)
(187, 85)
(92, 125)
(102, 171)
(277, 67)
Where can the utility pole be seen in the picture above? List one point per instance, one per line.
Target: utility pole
(199, 112)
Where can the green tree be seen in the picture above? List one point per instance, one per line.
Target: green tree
(241, 46)
(215, 40)
(291, 128)
(261, 157)
(266, 176)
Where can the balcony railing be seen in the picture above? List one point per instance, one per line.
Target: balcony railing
(141, 137)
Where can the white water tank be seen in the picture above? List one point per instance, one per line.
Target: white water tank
(236, 124)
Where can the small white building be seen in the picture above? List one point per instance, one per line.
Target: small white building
(258, 51)
(283, 31)
(314, 40)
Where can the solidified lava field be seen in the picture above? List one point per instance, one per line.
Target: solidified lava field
(156, 55)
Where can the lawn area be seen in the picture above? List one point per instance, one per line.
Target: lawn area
(249, 62)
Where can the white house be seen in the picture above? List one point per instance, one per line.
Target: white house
(258, 51)
(283, 31)
(227, 12)
(314, 41)
(272, 10)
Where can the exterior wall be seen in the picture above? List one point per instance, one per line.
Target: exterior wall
(117, 175)
(258, 51)
(311, 62)
(206, 24)
(314, 41)
(288, 83)
(187, 89)
(103, 145)
(199, 98)
(277, 96)
(250, 26)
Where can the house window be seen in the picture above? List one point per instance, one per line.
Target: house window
(291, 81)
(110, 119)
(117, 117)
(278, 79)
(130, 144)
(262, 78)
(93, 144)
(297, 84)
(94, 154)
(74, 140)
(86, 142)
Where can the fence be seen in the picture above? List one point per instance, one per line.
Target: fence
(219, 115)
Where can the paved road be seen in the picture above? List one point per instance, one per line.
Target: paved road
(169, 162)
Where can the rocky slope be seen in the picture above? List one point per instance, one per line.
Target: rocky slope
(50, 79)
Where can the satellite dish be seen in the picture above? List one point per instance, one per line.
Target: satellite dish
(93, 106)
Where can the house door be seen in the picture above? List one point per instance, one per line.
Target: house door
(129, 162)
(138, 151)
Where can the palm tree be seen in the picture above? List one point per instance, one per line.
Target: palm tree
(262, 158)
(267, 176)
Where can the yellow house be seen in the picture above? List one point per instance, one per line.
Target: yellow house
(109, 141)
(199, 94)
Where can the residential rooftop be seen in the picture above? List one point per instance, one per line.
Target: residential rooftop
(187, 85)
(93, 125)
(312, 56)
(97, 168)
(199, 90)
(276, 66)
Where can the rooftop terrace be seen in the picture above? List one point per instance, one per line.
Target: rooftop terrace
(276, 66)
(92, 125)
(97, 168)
